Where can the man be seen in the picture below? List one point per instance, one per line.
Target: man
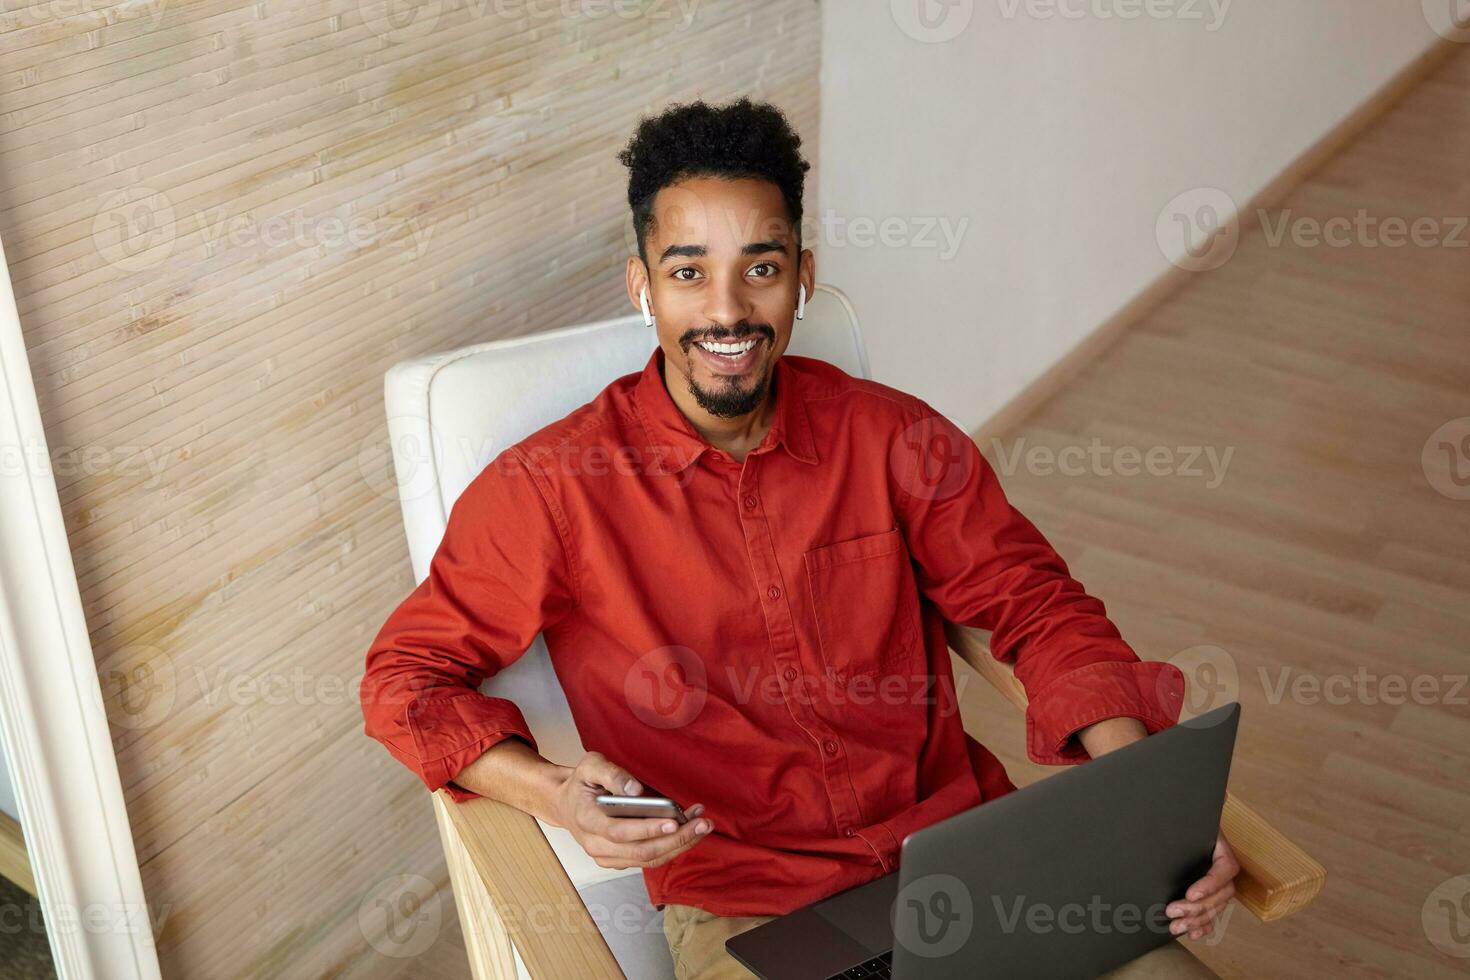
(742, 563)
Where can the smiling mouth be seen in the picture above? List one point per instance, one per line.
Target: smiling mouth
(732, 349)
(730, 357)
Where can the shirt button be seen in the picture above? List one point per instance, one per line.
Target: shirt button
(773, 592)
(750, 501)
(789, 673)
(830, 746)
(850, 832)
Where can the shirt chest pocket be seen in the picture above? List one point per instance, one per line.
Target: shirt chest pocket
(866, 605)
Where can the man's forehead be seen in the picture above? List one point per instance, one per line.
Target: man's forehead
(720, 215)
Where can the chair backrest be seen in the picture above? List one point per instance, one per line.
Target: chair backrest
(449, 414)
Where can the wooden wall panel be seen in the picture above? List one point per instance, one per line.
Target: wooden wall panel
(178, 181)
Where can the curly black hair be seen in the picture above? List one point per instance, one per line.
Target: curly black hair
(740, 140)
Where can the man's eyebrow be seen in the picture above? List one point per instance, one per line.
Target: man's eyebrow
(699, 251)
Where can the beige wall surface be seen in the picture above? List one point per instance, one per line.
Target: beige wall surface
(1063, 152)
(225, 220)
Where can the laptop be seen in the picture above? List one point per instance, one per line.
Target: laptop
(1068, 877)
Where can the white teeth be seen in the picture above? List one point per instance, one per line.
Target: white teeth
(735, 349)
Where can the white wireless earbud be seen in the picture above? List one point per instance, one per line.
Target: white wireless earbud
(643, 301)
(801, 303)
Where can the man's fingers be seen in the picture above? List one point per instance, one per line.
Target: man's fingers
(598, 770)
(627, 830)
(652, 852)
(1216, 899)
(1204, 899)
(687, 837)
(1191, 916)
(1195, 922)
(1199, 930)
(670, 855)
(1223, 869)
(1221, 873)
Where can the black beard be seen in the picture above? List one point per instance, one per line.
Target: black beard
(729, 401)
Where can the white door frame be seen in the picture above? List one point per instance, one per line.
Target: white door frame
(55, 730)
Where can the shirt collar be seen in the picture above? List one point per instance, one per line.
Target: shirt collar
(667, 427)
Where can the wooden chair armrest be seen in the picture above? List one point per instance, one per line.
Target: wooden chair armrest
(509, 888)
(1276, 876)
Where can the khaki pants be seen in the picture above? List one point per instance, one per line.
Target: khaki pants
(697, 941)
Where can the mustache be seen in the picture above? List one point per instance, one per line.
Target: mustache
(738, 332)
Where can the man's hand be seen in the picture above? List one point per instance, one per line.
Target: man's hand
(514, 773)
(1206, 897)
(619, 842)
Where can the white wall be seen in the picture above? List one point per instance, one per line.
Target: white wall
(1054, 143)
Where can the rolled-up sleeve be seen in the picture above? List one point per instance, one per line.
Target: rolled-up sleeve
(985, 565)
(502, 573)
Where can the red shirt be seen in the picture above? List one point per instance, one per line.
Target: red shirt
(766, 638)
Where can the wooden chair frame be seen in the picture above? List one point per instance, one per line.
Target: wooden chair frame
(511, 890)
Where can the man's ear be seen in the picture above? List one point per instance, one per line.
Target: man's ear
(643, 305)
(637, 280)
(807, 273)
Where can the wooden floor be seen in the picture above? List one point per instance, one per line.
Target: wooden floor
(1324, 549)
